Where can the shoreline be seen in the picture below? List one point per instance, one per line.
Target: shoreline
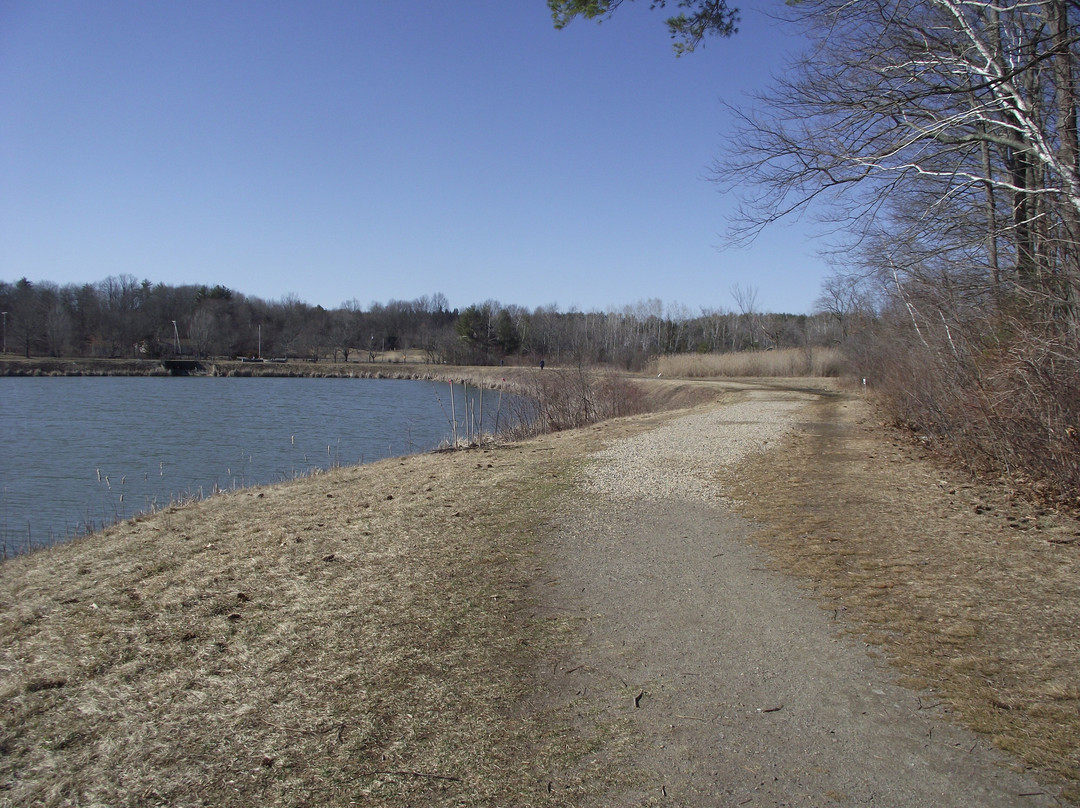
(236, 368)
(387, 632)
(72, 511)
(515, 381)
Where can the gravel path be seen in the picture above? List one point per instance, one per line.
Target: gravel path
(715, 681)
(679, 460)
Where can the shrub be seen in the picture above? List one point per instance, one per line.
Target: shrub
(558, 399)
(1001, 398)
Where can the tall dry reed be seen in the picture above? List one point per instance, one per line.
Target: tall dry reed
(565, 398)
(787, 362)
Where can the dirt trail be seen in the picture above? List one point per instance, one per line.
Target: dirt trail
(711, 679)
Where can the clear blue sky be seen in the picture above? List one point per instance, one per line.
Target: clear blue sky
(381, 150)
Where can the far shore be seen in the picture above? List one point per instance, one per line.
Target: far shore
(519, 379)
(391, 365)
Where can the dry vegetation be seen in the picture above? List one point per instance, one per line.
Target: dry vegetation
(358, 635)
(971, 591)
(364, 634)
(787, 363)
(367, 635)
(1000, 409)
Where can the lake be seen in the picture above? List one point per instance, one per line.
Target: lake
(78, 454)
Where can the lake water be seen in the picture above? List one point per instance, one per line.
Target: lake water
(78, 454)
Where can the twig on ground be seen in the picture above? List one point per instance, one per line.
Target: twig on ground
(406, 773)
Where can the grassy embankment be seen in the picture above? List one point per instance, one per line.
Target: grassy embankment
(360, 634)
(363, 634)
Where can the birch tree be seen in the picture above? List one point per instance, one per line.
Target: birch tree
(947, 124)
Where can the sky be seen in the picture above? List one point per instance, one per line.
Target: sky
(341, 150)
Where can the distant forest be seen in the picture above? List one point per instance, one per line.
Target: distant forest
(125, 317)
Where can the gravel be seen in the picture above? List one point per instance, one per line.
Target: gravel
(679, 460)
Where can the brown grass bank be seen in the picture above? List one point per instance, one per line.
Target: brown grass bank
(359, 636)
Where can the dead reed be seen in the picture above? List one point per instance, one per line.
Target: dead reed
(566, 398)
(785, 363)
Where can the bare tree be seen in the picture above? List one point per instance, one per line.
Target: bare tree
(58, 329)
(202, 329)
(941, 136)
(948, 122)
(746, 300)
(845, 298)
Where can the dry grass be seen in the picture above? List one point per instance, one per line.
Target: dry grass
(363, 635)
(359, 635)
(571, 398)
(786, 363)
(970, 592)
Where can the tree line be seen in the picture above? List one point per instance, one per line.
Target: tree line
(124, 317)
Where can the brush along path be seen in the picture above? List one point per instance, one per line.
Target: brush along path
(716, 683)
(528, 625)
